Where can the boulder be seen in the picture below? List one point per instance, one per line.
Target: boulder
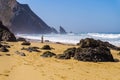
(5, 34)
(48, 54)
(4, 49)
(31, 49)
(46, 47)
(26, 43)
(98, 54)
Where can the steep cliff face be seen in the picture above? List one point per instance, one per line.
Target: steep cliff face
(5, 34)
(6, 11)
(21, 19)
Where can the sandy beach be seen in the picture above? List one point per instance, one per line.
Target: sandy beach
(34, 67)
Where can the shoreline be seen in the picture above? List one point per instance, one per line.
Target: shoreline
(46, 41)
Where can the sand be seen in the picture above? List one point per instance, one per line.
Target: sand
(34, 67)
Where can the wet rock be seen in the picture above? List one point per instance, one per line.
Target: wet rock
(26, 43)
(98, 54)
(31, 49)
(48, 54)
(21, 39)
(4, 49)
(46, 47)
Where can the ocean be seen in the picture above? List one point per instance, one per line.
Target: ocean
(75, 38)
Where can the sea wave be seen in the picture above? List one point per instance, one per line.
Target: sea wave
(112, 36)
(75, 38)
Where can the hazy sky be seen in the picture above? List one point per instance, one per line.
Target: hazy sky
(79, 15)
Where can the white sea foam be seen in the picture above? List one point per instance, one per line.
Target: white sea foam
(104, 35)
(75, 38)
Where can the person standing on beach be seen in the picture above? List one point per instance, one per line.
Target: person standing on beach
(42, 40)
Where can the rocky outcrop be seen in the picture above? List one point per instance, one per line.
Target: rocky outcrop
(90, 42)
(62, 30)
(5, 34)
(21, 19)
(98, 54)
(54, 30)
(88, 50)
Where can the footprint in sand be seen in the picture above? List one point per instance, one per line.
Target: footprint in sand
(5, 73)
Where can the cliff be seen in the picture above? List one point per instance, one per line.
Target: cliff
(5, 34)
(21, 19)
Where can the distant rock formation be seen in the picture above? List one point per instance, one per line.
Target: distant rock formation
(5, 34)
(62, 30)
(54, 30)
(21, 19)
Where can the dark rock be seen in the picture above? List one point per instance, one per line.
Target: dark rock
(4, 49)
(46, 47)
(90, 42)
(8, 54)
(62, 56)
(5, 34)
(48, 54)
(7, 46)
(26, 43)
(70, 52)
(21, 39)
(1, 45)
(31, 49)
(62, 30)
(98, 54)
(20, 53)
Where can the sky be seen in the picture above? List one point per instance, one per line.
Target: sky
(78, 15)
